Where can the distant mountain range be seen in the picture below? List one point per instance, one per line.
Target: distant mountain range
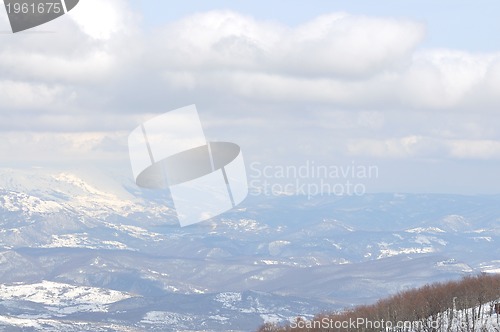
(103, 255)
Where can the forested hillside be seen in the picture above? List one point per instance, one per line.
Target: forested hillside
(471, 304)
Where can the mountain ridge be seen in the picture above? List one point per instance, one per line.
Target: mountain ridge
(64, 229)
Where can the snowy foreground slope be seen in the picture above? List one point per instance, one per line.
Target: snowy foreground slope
(79, 254)
(480, 318)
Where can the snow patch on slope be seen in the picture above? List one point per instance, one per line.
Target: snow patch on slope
(63, 297)
(27, 204)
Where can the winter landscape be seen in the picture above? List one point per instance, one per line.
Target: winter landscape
(77, 257)
(366, 132)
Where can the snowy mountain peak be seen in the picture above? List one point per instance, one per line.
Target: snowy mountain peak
(50, 192)
(27, 204)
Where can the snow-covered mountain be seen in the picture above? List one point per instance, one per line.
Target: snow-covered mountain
(78, 253)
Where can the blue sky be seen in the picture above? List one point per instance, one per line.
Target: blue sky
(460, 24)
(409, 86)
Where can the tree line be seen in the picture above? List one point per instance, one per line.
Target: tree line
(455, 306)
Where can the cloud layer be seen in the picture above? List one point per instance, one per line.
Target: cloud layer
(340, 84)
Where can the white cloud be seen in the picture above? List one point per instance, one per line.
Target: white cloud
(330, 45)
(432, 80)
(426, 148)
(444, 78)
(21, 95)
(475, 149)
(404, 147)
(341, 59)
(64, 147)
(338, 83)
(103, 19)
(92, 66)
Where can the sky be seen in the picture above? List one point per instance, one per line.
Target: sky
(411, 87)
